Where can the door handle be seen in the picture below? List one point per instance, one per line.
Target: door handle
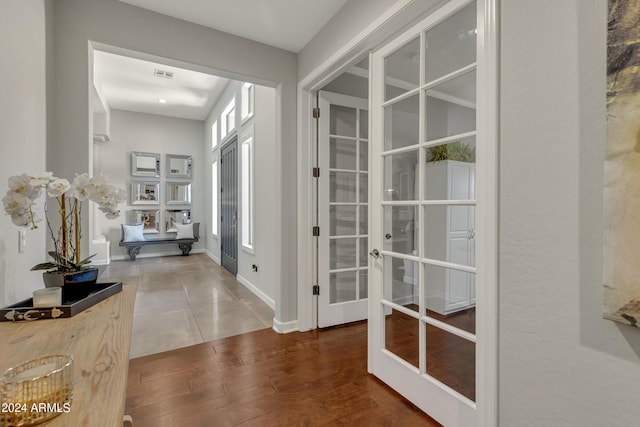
(375, 253)
(387, 236)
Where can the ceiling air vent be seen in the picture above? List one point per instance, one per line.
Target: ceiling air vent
(163, 74)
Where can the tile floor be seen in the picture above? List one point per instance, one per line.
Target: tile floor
(182, 301)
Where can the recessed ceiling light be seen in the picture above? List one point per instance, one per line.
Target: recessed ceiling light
(162, 101)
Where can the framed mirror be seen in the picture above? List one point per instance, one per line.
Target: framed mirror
(181, 216)
(145, 164)
(178, 193)
(145, 193)
(150, 218)
(179, 166)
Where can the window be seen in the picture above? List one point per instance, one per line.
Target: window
(214, 197)
(228, 120)
(214, 135)
(247, 189)
(248, 95)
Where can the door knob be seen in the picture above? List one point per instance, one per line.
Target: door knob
(375, 253)
(387, 236)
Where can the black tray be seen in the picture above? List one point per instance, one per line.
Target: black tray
(91, 295)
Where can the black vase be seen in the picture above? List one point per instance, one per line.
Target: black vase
(73, 283)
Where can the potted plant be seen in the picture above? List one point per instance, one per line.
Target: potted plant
(458, 151)
(68, 266)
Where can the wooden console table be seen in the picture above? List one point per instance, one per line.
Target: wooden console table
(99, 339)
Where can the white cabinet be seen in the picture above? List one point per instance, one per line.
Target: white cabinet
(449, 236)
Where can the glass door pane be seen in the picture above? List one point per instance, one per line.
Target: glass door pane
(451, 45)
(401, 123)
(402, 336)
(400, 283)
(402, 70)
(451, 107)
(451, 360)
(342, 121)
(400, 182)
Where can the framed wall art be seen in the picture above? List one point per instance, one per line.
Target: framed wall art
(621, 270)
(150, 218)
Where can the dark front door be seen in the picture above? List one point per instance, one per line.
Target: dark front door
(229, 206)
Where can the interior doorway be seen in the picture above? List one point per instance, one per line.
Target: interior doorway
(171, 112)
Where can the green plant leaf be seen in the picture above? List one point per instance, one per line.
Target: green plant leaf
(87, 260)
(44, 266)
(457, 151)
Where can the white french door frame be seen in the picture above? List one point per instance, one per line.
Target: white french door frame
(330, 314)
(392, 22)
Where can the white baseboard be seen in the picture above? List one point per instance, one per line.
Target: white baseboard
(213, 257)
(404, 300)
(410, 280)
(285, 327)
(257, 292)
(154, 254)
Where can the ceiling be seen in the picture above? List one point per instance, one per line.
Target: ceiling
(287, 24)
(130, 84)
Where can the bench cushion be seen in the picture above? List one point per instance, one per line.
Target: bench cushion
(185, 231)
(133, 233)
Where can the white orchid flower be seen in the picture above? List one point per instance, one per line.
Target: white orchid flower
(19, 207)
(15, 202)
(58, 187)
(81, 187)
(21, 184)
(42, 179)
(121, 195)
(21, 220)
(99, 180)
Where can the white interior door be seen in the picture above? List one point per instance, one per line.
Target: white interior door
(422, 214)
(343, 156)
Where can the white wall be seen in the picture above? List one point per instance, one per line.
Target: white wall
(262, 282)
(354, 17)
(22, 136)
(110, 22)
(153, 134)
(560, 363)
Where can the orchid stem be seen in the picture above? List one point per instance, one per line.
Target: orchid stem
(76, 228)
(63, 217)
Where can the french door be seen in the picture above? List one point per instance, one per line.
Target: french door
(343, 157)
(229, 205)
(425, 137)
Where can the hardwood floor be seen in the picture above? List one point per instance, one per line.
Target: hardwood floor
(316, 378)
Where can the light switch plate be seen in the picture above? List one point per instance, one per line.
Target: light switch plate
(22, 240)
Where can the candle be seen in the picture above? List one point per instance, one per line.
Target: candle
(36, 390)
(47, 297)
